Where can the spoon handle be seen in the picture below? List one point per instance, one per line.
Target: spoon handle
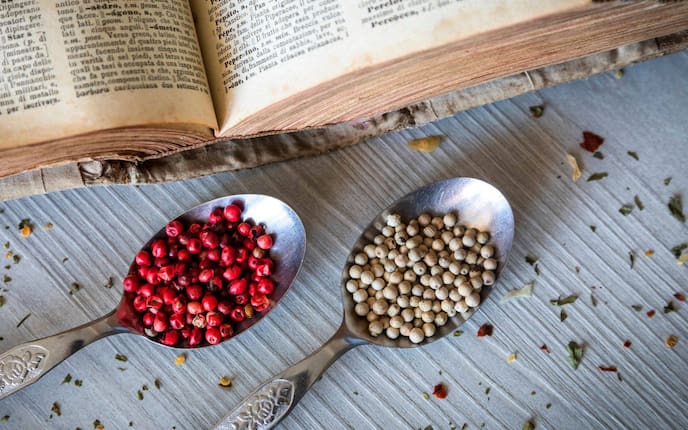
(274, 399)
(26, 363)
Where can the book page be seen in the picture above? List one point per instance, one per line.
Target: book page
(260, 52)
(76, 66)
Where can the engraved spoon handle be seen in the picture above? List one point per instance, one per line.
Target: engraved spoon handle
(26, 363)
(274, 399)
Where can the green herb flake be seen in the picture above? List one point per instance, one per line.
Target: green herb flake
(64, 260)
(23, 320)
(669, 307)
(634, 155)
(678, 249)
(5, 418)
(8, 267)
(619, 74)
(55, 408)
(110, 282)
(532, 260)
(638, 203)
(598, 155)
(537, 111)
(575, 354)
(6, 279)
(157, 383)
(487, 390)
(144, 387)
(626, 210)
(637, 308)
(564, 301)
(563, 315)
(458, 333)
(139, 394)
(26, 222)
(2, 301)
(73, 288)
(121, 369)
(528, 425)
(428, 428)
(667, 181)
(7, 245)
(78, 382)
(67, 379)
(96, 424)
(121, 357)
(675, 206)
(16, 258)
(597, 176)
(425, 395)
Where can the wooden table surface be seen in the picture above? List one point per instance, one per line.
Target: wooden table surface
(96, 232)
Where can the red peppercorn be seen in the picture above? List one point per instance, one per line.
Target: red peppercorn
(130, 284)
(174, 228)
(148, 319)
(214, 319)
(244, 229)
(152, 276)
(260, 302)
(209, 302)
(154, 303)
(232, 272)
(224, 307)
(241, 255)
(194, 292)
(232, 213)
(212, 335)
(216, 216)
(209, 239)
(194, 308)
(237, 314)
(196, 336)
(195, 228)
(145, 290)
(237, 286)
(199, 321)
(143, 258)
(184, 279)
(255, 231)
(265, 286)
(160, 323)
(241, 299)
(142, 271)
(264, 241)
(170, 337)
(177, 320)
(228, 255)
(161, 261)
(214, 254)
(226, 330)
(206, 275)
(183, 255)
(166, 273)
(216, 281)
(167, 294)
(249, 244)
(194, 246)
(265, 267)
(253, 262)
(159, 248)
(184, 238)
(139, 303)
(179, 304)
(205, 264)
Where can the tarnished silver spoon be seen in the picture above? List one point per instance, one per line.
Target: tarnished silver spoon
(479, 205)
(26, 363)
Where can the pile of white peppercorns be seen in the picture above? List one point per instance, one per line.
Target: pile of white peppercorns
(415, 276)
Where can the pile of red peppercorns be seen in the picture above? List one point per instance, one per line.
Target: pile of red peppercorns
(200, 279)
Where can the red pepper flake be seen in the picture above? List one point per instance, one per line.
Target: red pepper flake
(680, 297)
(591, 142)
(650, 313)
(485, 330)
(607, 369)
(439, 391)
(544, 348)
(627, 344)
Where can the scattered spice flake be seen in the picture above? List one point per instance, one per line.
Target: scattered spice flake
(607, 368)
(593, 300)
(544, 348)
(2, 301)
(627, 343)
(528, 425)
(23, 319)
(619, 74)
(48, 226)
(97, 425)
(537, 111)
(122, 369)
(591, 142)
(531, 259)
(649, 252)
(6, 279)
(439, 391)
(16, 258)
(110, 282)
(671, 341)
(8, 255)
(597, 176)
(675, 206)
(64, 260)
(56, 409)
(73, 288)
(631, 257)
(680, 297)
(139, 394)
(458, 333)
(225, 382)
(682, 259)
(485, 330)
(637, 308)
(626, 210)
(576, 174)
(425, 395)
(548, 405)
(575, 354)
(157, 384)
(526, 291)
(598, 155)
(633, 154)
(425, 144)
(650, 313)
(67, 379)
(669, 307)
(565, 301)
(678, 249)
(5, 418)
(180, 359)
(638, 203)
(355, 393)
(512, 357)
(667, 181)
(563, 315)
(7, 245)
(593, 228)
(121, 357)
(78, 382)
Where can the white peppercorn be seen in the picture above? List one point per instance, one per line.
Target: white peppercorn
(417, 313)
(416, 335)
(367, 277)
(393, 310)
(446, 236)
(362, 309)
(403, 302)
(410, 276)
(460, 306)
(454, 295)
(473, 300)
(476, 248)
(372, 316)
(419, 268)
(390, 292)
(417, 322)
(449, 219)
(465, 289)
(436, 306)
(412, 244)
(393, 220)
(435, 282)
(392, 332)
(395, 278)
(440, 319)
(417, 290)
(430, 259)
(405, 329)
(424, 219)
(437, 222)
(370, 300)
(414, 301)
(396, 321)
(477, 282)
(444, 260)
(425, 305)
(486, 251)
(482, 237)
(355, 271)
(451, 312)
(404, 287)
(429, 329)
(460, 254)
(369, 250)
(471, 257)
(387, 231)
(441, 293)
(360, 295)
(459, 230)
(361, 259)
(389, 266)
(465, 268)
(390, 243)
(375, 328)
(448, 278)
(428, 316)
(379, 239)
(429, 294)
(427, 242)
(446, 305)
(393, 252)
(468, 240)
(401, 238)
(425, 280)
(377, 270)
(436, 271)
(352, 285)
(437, 245)
(455, 267)
(381, 251)
(380, 306)
(378, 284)
(378, 295)
(385, 321)
(408, 314)
(490, 264)
(488, 277)
(401, 260)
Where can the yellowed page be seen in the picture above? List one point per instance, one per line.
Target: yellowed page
(260, 52)
(76, 66)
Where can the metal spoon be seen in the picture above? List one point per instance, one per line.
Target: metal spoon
(479, 205)
(26, 363)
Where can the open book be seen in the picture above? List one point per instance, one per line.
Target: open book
(137, 79)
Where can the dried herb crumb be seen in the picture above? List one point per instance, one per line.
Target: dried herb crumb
(597, 176)
(97, 425)
(593, 228)
(650, 313)
(591, 142)
(531, 259)
(425, 144)
(225, 382)
(121, 357)
(593, 300)
(2, 301)
(110, 282)
(576, 171)
(73, 288)
(67, 379)
(122, 369)
(598, 155)
(64, 260)
(649, 253)
(619, 74)
(638, 203)
(139, 394)
(631, 257)
(633, 154)
(563, 315)
(144, 387)
(425, 395)
(157, 383)
(575, 354)
(458, 333)
(671, 341)
(512, 357)
(564, 301)
(607, 368)
(6, 279)
(485, 330)
(7, 245)
(667, 181)
(78, 382)
(537, 111)
(131, 424)
(678, 249)
(528, 425)
(23, 320)
(544, 348)
(548, 405)
(439, 391)
(637, 308)
(48, 226)
(16, 258)
(5, 418)
(675, 206)
(680, 297)
(669, 307)
(55, 408)
(627, 343)
(626, 210)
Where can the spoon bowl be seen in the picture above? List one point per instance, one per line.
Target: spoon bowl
(478, 204)
(26, 363)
